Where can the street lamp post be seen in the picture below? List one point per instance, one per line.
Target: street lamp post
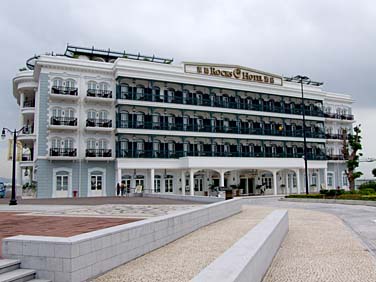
(13, 200)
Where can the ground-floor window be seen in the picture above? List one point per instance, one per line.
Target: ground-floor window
(330, 179)
(157, 183)
(345, 180)
(126, 179)
(139, 181)
(62, 181)
(96, 181)
(267, 181)
(169, 184)
(294, 181)
(198, 184)
(314, 179)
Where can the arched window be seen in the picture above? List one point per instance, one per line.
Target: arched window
(170, 95)
(123, 148)
(156, 120)
(140, 147)
(170, 121)
(226, 125)
(92, 114)
(199, 98)
(102, 144)
(103, 115)
(169, 181)
(57, 112)
(171, 148)
(156, 148)
(140, 118)
(225, 101)
(186, 146)
(124, 91)
(91, 144)
(140, 92)
(186, 97)
(68, 143)
(70, 83)
(92, 85)
(213, 98)
(199, 123)
(157, 183)
(69, 113)
(103, 86)
(156, 92)
(56, 142)
(57, 82)
(185, 122)
(124, 119)
(200, 148)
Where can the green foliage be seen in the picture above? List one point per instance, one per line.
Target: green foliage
(366, 191)
(368, 185)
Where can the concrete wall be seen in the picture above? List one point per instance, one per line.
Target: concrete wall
(250, 257)
(199, 199)
(84, 256)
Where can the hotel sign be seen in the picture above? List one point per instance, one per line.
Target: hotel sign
(234, 72)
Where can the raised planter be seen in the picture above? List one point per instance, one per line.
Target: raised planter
(331, 201)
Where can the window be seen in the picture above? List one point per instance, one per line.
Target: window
(124, 118)
(156, 120)
(56, 143)
(57, 82)
(200, 123)
(330, 179)
(126, 179)
(139, 180)
(91, 144)
(267, 181)
(92, 85)
(123, 147)
(156, 148)
(171, 121)
(103, 115)
(199, 98)
(96, 182)
(57, 112)
(140, 90)
(103, 86)
(140, 120)
(69, 83)
(198, 184)
(314, 179)
(169, 183)
(68, 143)
(124, 89)
(91, 114)
(170, 95)
(69, 113)
(62, 178)
(102, 144)
(157, 183)
(345, 180)
(140, 145)
(294, 181)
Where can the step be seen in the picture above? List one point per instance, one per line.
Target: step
(39, 280)
(18, 275)
(7, 265)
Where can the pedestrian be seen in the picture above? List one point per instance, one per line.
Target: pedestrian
(118, 189)
(122, 188)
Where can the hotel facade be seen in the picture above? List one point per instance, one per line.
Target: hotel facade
(94, 118)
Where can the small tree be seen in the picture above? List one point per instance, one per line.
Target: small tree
(350, 151)
(374, 172)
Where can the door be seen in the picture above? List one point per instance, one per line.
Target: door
(62, 182)
(96, 185)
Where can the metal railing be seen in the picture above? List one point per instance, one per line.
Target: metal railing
(29, 104)
(63, 152)
(106, 123)
(99, 93)
(98, 153)
(28, 129)
(339, 116)
(67, 121)
(335, 157)
(72, 91)
(240, 104)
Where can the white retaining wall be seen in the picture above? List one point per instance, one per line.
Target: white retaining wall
(199, 199)
(250, 257)
(84, 256)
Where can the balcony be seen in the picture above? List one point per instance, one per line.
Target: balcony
(63, 123)
(194, 127)
(336, 136)
(201, 153)
(347, 117)
(99, 125)
(63, 152)
(99, 93)
(335, 157)
(64, 93)
(98, 153)
(27, 133)
(216, 101)
(29, 104)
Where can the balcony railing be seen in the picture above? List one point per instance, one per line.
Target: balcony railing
(217, 129)
(72, 91)
(99, 93)
(339, 116)
(63, 152)
(106, 123)
(335, 157)
(335, 136)
(28, 129)
(98, 153)
(29, 104)
(242, 104)
(27, 157)
(67, 121)
(178, 154)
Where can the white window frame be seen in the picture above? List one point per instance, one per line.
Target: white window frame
(104, 178)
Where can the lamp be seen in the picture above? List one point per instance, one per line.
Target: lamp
(3, 134)
(26, 172)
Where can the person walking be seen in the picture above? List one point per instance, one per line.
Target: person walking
(122, 188)
(118, 189)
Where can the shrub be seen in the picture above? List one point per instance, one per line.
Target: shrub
(368, 185)
(334, 192)
(366, 191)
(324, 191)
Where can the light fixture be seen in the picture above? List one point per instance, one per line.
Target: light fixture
(26, 172)
(3, 134)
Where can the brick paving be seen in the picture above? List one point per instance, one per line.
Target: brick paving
(100, 201)
(12, 224)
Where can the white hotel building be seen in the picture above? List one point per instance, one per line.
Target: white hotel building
(94, 118)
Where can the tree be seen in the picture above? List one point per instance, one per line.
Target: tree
(350, 151)
(374, 172)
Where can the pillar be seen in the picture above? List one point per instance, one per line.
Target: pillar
(191, 182)
(183, 182)
(152, 188)
(318, 180)
(119, 175)
(298, 180)
(222, 179)
(287, 183)
(275, 182)
(326, 178)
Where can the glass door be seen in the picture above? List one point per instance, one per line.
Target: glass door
(96, 182)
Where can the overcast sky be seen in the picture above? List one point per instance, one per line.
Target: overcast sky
(330, 41)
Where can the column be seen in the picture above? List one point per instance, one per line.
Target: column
(152, 172)
(222, 179)
(275, 182)
(192, 182)
(183, 182)
(326, 178)
(298, 180)
(119, 175)
(287, 183)
(318, 180)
